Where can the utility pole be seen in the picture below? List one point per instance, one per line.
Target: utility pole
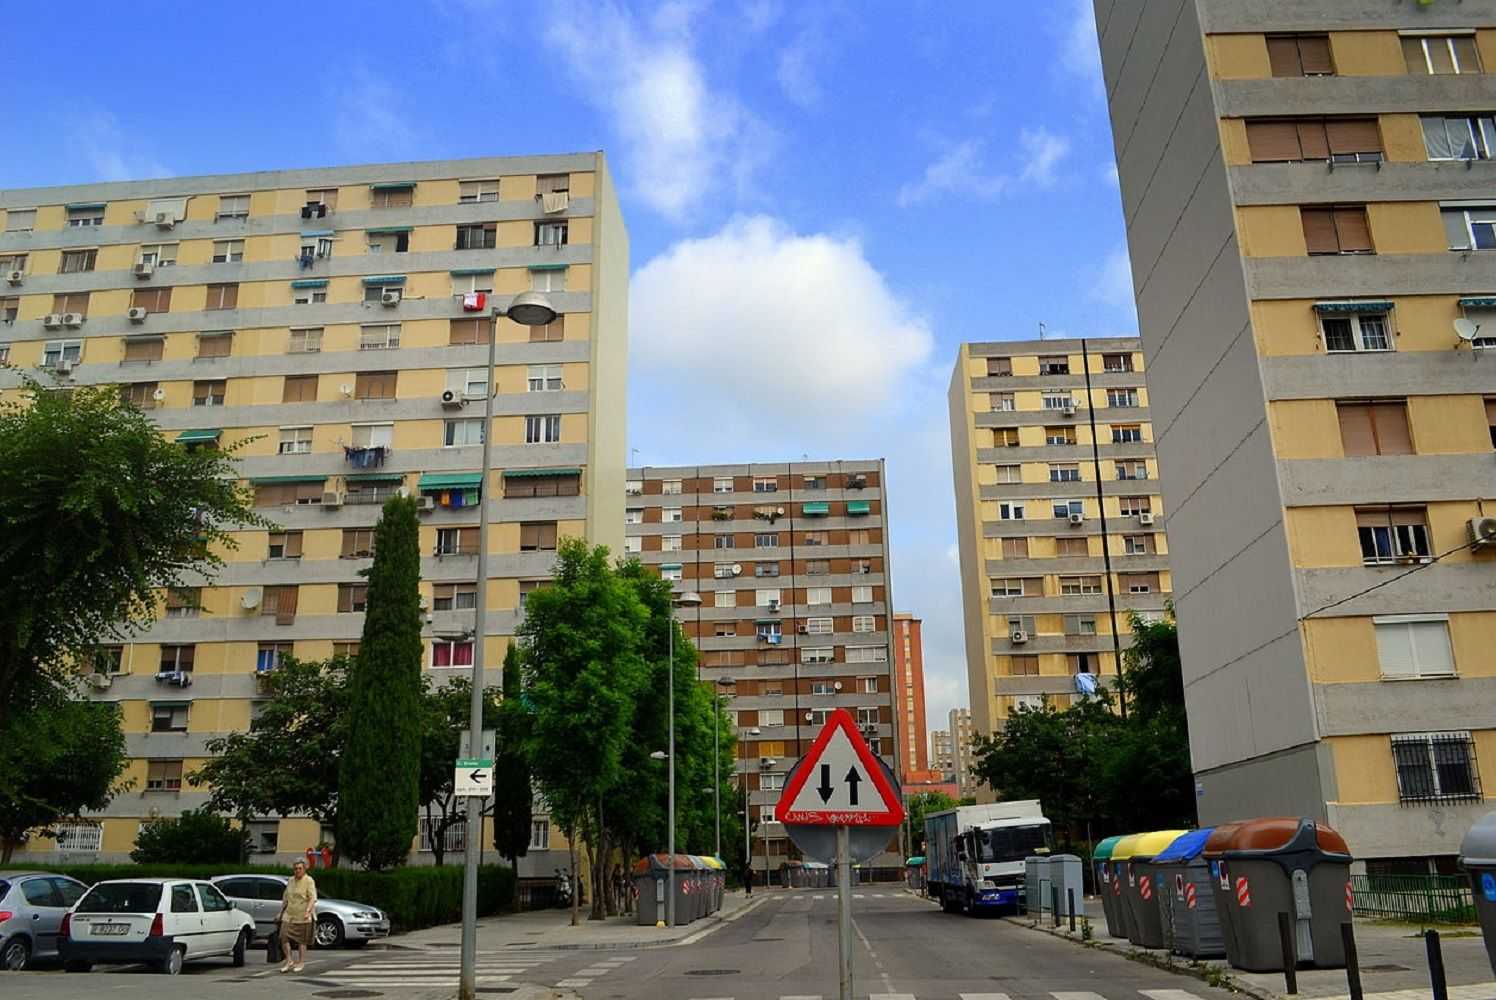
(1106, 548)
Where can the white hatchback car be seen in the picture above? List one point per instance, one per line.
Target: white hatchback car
(162, 921)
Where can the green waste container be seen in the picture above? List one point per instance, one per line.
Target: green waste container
(1122, 852)
(1145, 926)
(1100, 861)
(1478, 857)
(1264, 867)
(1185, 901)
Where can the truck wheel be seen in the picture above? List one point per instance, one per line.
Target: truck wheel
(971, 904)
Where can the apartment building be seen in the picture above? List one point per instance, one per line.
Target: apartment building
(942, 752)
(962, 758)
(1308, 187)
(909, 694)
(791, 562)
(1058, 516)
(335, 324)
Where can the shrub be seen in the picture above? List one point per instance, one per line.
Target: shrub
(197, 837)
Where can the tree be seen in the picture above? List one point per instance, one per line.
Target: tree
(197, 837)
(513, 797)
(447, 711)
(62, 757)
(100, 512)
(379, 781)
(918, 808)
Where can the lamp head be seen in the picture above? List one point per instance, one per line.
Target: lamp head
(689, 599)
(657, 755)
(531, 309)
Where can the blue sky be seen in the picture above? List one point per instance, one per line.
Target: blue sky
(824, 198)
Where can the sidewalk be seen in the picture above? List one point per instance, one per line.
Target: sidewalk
(550, 929)
(1394, 963)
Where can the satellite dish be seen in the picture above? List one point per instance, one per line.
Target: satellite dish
(1466, 329)
(737, 569)
(251, 599)
(159, 395)
(346, 389)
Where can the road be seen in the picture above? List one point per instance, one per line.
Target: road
(782, 946)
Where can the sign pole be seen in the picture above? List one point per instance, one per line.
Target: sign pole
(844, 910)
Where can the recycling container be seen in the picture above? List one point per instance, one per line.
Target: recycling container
(1186, 903)
(1145, 926)
(1478, 858)
(1264, 867)
(1035, 884)
(1065, 878)
(693, 891)
(1100, 866)
(1122, 852)
(649, 881)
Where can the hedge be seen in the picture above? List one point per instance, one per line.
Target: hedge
(414, 897)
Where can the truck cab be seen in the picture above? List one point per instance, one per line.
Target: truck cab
(992, 859)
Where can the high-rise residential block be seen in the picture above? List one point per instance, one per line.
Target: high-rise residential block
(336, 322)
(962, 758)
(792, 566)
(909, 693)
(942, 752)
(1058, 515)
(1308, 193)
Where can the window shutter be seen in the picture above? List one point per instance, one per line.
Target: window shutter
(1466, 53)
(1491, 412)
(1314, 55)
(1273, 141)
(1455, 228)
(1352, 229)
(1313, 141)
(214, 345)
(308, 491)
(1354, 135)
(1431, 649)
(1413, 56)
(1395, 649)
(1390, 421)
(1356, 434)
(143, 349)
(1319, 230)
(1283, 56)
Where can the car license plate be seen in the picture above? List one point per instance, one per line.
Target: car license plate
(115, 929)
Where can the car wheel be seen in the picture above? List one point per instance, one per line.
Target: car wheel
(77, 966)
(240, 946)
(329, 933)
(16, 954)
(171, 965)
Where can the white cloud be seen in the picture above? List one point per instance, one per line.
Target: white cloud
(961, 170)
(1113, 284)
(681, 138)
(110, 154)
(796, 71)
(372, 119)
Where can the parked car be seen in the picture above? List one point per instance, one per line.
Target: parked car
(32, 905)
(162, 921)
(339, 922)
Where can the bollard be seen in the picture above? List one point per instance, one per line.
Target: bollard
(1290, 956)
(1054, 904)
(1352, 962)
(1436, 965)
(1071, 894)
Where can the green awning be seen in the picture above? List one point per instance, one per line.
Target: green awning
(1377, 305)
(271, 480)
(83, 206)
(1478, 303)
(549, 267)
(450, 480)
(388, 230)
(375, 477)
(317, 232)
(309, 283)
(470, 272)
(918, 859)
(817, 508)
(198, 436)
(670, 566)
(538, 473)
(392, 186)
(155, 703)
(768, 621)
(858, 507)
(385, 279)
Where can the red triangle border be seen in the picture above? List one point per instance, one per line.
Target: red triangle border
(892, 816)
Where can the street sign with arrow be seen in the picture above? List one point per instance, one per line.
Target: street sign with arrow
(474, 777)
(850, 786)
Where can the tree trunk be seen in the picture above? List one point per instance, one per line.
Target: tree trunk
(7, 848)
(576, 883)
(599, 867)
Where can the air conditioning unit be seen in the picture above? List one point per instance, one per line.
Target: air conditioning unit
(15, 277)
(1146, 517)
(425, 503)
(452, 401)
(137, 314)
(332, 500)
(857, 482)
(100, 682)
(1018, 637)
(165, 220)
(1482, 532)
(72, 319)
(1068, 409)
(307, 211)
(144, 270)
(251, 598)
(1077, 518)
(389, 298)
(63, 367)
(159, 395)
(176, 678)
(774, 607)
(52, 320)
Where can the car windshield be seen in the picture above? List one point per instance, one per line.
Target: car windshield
(1014, 843)
(121, 897)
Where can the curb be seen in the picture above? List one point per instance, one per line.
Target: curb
(1143, 956)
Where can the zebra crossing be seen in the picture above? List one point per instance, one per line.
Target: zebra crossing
(1058, 995)
(433, 970)
(601, 967)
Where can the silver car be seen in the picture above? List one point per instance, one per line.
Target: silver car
(339, 922)
(32, 905)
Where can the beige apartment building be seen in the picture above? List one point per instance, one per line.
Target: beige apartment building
(1058, 516)
(335, 321)
(963, 758)
(1310, 195)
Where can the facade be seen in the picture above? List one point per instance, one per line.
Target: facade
(336, 322)
(1034, 542)
(962, 732)
(791, 562)
(942, 752)
(909, 694)
(1308, 185)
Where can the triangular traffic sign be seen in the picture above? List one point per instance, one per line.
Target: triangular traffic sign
(839, 782)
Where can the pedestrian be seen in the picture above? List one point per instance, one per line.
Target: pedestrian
(617, 888)
(297, 916)
(748, 879)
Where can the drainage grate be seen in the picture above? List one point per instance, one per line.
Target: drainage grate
(1385, 968)
(497, 989)
(712, 972)
(348, 994)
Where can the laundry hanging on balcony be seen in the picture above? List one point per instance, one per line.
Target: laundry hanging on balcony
(474, 301)
(366, 458)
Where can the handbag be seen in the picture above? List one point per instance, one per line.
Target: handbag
(273, 950)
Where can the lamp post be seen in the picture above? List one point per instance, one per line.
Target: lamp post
(527, 309)
(764, 765)
(689, 599)
(717, 755)
(747, 844)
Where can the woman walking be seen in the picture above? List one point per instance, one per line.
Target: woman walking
(297, 916)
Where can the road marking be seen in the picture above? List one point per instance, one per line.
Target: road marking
(1169, 995)
(890, 996)
(573, 984)
(1471, 991)
(982, 996)
(1077, 996)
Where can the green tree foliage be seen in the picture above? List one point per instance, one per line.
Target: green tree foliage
(920, 806)
(100, 510)
(513, 799)
(447, 710)
(197, 837)
(62, 757)
(379, 781)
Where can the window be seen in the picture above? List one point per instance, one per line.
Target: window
(214, 345)
(1300, 55)
(71, 302)
(1012, 586)
(295, 440)
(1059, 435)
(374, 292)
(375, 385)
(547, 483)
(766, 484)
(159, 254)
(287, 494)
(1122, 397)
(818, 654)
(724, 542)
(454, 596)
(477, 236)
(867, 654)
(1137, 545)
(672, 572)
(862, 595)
(540, 829)
(142, 350)
(10, 308)
(1131, 506)
(299, 389)
(472, 192)
(1340, 229)
(544, 378)
(209, 392)
(108, 659)
(537, 536)
(818, 567)
(461, 332)
(227, 251)
(1341, 140)
(815, 482)
(284, 545)
(1491, 419)
(822, 688)
(1067, 472)
(1015, 548)
(156, 300)
(1436, 767)
(722, 484)
(1023, 666)
(225, 296)
(864, 623)
(358, 543)
(1073, 585)
(1080, 624)
(456, 541)
(1393, 534)
(1003, 402)
(85, 215)
(762, 540)
(232, 206)
(670, 543)
(726, 599)
(1064, 508)
(460, 433)
(817, 595)
(763, 569)
(451, 653)
(552, 333)
(1116, 363)
(1010, 510)
(185, 602)
(1127, 434)
(1463, 137)
(723, 571)
(280, 602)
(379, 337)
(307, 340)
(1414, 646)
(766, 597)
(1009, 473)
(1140, 583)
(392, 196)
(165, 776)
(20, 220)
(169, 717)
(1005, 437)
(77, 261)
(550, 234)
(822, 538)
(1470, 228)
(819, 626)
(1356, 332)
(177, 659)
(1058, 401)
(1374, 428)
(633, 545)
(1059, 365)
(79, 838)
(1428, 55)
(543, 429)
(464, 285)
(671, 515)
(634, 515)
(1132, 470)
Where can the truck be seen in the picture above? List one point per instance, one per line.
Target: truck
(975, 854)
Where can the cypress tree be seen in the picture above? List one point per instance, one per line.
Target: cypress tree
(379, 782)
(514, 800)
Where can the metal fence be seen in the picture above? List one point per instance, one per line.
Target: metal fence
(1441, 899)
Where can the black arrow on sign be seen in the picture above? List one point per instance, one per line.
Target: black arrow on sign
(852, 779)
(825, 788)
(476, 777)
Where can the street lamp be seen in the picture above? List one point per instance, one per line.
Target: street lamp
(747, 844)
(717, 756)
(764, 766)
(527, 309)
(689, 599)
